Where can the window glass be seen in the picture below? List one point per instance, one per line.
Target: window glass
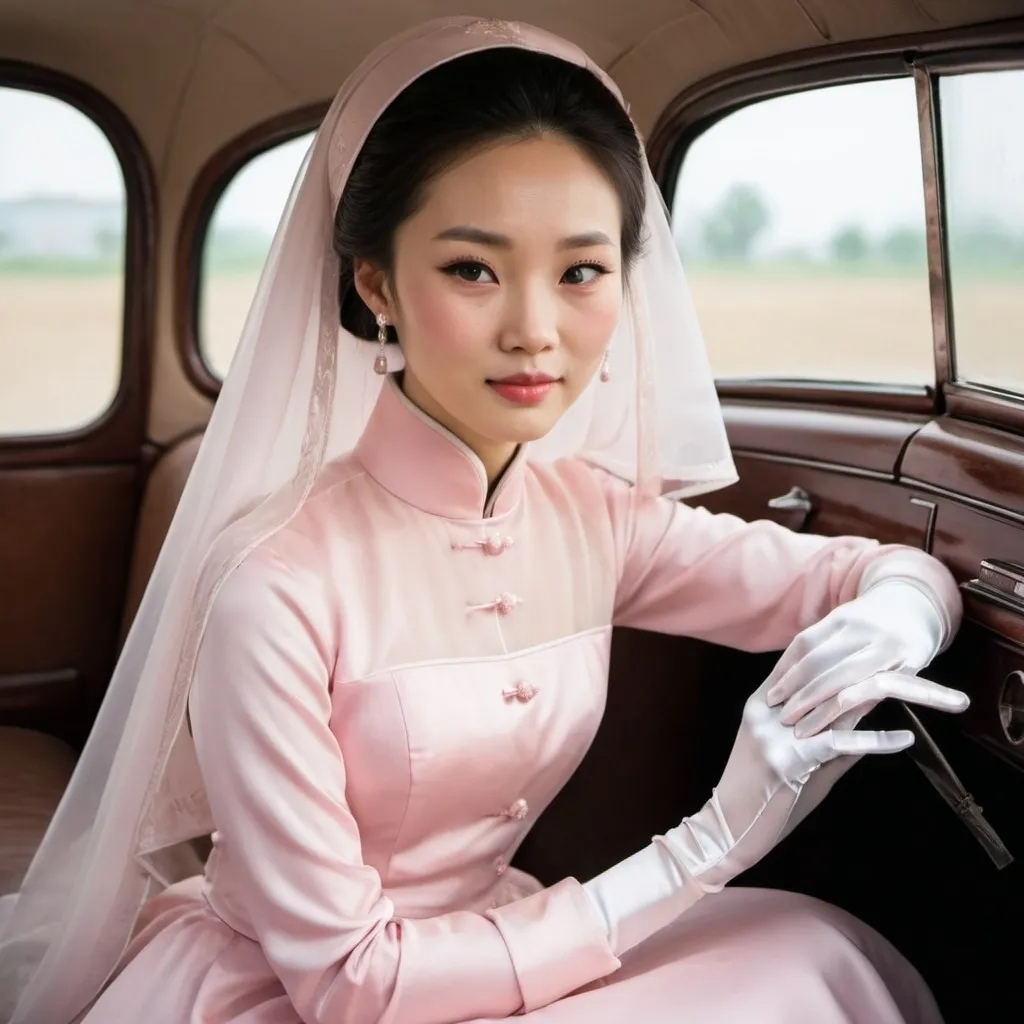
(800, 220)
(236, 245)
(62, 244)
(983, 158)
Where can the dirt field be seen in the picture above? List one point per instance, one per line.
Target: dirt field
(60, 336)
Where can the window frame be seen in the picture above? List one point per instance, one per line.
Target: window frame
(118, 432)
(923, 58)
(963, 399)
(209, 187)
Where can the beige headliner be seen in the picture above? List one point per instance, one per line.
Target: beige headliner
(193, 74)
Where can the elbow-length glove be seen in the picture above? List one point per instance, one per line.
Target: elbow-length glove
(777, 773)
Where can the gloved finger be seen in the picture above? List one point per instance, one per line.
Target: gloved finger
(914, 690)
(833, 713)
(792, 655)
(810, 654)
(866, 694)
(851, 719)
(837, 677)
(827, 746)
(803, 644)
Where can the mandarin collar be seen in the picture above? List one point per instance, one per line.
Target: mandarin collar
(425, 465)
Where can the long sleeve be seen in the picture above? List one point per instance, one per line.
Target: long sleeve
(749, 585)
(276, 780)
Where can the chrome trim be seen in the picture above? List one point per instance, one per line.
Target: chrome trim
(992, 596)
(929, 530)
(796, 499)
(934, 202)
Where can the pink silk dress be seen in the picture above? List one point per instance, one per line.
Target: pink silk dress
(393, 687)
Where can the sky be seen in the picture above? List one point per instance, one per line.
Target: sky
(820, 159)
(823, 159)
(849, 154)
(48, 147)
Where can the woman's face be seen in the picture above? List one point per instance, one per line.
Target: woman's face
(506, 288)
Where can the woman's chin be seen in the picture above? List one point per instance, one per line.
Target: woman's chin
(520, 424)
(525, 425)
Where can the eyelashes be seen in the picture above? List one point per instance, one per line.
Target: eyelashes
(470, 271)
(474, 271)
(599, 270)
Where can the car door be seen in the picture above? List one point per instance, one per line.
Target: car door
(854, 236)
(76, 214)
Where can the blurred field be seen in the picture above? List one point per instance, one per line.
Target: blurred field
(60, 335)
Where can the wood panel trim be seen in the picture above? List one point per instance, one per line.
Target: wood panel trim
(1004, 622)
(979, 466)
(805, 463)
(880, 397)
(977, 504)
(217, 173)
(980, 404)
(118, 433)
(821, 436)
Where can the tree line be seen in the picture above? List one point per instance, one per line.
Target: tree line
(729, 233)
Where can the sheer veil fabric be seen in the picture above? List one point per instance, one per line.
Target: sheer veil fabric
(298, 394)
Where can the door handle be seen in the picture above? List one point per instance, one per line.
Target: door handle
(796, 499)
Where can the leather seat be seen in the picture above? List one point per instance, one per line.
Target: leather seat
(163, 492)
(35, 768)
(34, 771)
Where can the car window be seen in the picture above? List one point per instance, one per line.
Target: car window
(236, 244)
(801, 224)
(62, 246)
(983, 170)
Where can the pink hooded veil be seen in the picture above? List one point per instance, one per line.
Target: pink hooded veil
(298, 394)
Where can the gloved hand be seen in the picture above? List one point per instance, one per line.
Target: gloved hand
(832, 668)
(769, 772)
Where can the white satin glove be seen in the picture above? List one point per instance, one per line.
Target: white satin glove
(845, 662)
(769, 772)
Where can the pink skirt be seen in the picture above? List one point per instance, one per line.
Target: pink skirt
(743, 956)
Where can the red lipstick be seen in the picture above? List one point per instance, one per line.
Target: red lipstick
(524, 388)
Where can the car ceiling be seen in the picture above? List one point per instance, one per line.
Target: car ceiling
(192, 74)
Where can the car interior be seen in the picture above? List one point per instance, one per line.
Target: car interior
(846, 187)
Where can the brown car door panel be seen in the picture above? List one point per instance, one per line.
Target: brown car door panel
(65, 543)
(973, 476)
(821, 471)
(885, 845)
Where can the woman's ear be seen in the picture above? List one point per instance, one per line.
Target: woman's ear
(371, 284)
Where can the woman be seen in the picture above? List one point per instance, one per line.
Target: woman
(388, 599)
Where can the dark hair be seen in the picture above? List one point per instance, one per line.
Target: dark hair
(456, 106)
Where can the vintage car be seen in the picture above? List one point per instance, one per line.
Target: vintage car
(846, 182)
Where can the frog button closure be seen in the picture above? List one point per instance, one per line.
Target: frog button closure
(493, 544)
(503, 604)
(517, 810)
(522, 692)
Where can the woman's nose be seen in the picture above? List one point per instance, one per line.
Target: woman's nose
(532, 321)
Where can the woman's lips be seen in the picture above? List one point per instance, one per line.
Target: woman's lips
(524, 389)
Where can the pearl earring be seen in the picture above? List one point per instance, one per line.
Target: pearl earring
(380, 364)
(606, 372)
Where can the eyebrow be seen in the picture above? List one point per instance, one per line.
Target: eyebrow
(478, 236)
